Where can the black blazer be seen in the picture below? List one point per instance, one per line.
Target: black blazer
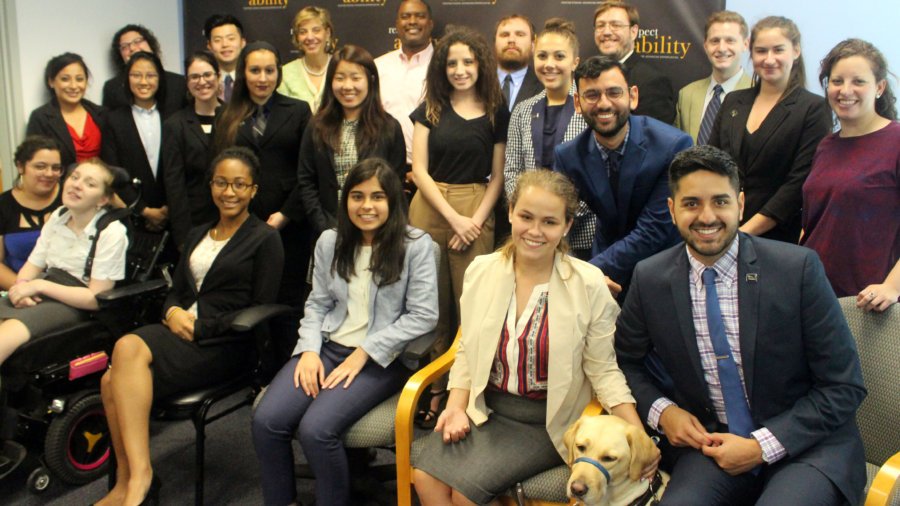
(772, 178)
(186, 155)
(122, 147)
(801, 369)
(47, 120)
(278, 151)
(531, 86)
(176, 93)
(317, 184)
(245, 273)
(656, 98)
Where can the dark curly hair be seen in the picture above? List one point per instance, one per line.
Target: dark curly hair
(145, 32)
(886, 104)
(438, 87)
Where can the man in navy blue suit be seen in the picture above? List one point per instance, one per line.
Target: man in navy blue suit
(619, 167)
(763, 375)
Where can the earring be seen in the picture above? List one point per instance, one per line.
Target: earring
(877, 96)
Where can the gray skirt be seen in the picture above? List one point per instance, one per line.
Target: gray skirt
(511, 446)
(43, 318)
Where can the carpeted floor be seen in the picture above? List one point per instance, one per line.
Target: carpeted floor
(232, 475)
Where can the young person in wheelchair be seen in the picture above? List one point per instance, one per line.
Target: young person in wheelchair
(226, 266)
(53, 289)
(373, 292)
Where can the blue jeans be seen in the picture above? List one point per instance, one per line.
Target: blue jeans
(319, 424)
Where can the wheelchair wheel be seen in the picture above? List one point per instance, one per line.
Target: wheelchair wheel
(39, 481)
(77, 447)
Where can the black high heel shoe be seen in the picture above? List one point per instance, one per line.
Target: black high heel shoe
(152, 497)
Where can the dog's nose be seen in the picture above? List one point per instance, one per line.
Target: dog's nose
(578, 488)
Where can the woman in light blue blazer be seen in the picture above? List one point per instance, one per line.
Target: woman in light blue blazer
(373, 291)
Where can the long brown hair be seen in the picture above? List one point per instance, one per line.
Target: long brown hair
(372, 118)
(438, 87)
(789, 29)
(885, 104)
(241, 106)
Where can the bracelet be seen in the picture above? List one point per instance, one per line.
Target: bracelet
(171, 311)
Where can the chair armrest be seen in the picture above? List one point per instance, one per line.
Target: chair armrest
(403, 422)
(418, 348)
(249, 318)
(884, 483)
(129, 291)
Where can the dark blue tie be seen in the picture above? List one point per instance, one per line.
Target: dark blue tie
(737, 410)
(709, 117)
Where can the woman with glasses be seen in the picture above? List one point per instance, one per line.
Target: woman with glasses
(313, 35)
(74, 122)
(272, 125)
(133, 139)
(229, 264)
(187, 149)
(350, 126)
(26, 206)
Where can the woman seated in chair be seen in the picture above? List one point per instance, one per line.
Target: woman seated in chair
(373, 292)
(228, 265)
(27, 205)
(52, 290)
(536, 345)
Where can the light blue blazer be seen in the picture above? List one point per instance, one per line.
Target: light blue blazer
(398, 313)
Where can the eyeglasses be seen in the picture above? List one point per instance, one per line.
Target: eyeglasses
(137, 76)
(131, 43)
(613, 25)
(238, 186)
(206, 76)
(42, 167)
(594, 96)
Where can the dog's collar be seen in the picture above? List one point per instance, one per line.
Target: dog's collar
(594, 463)
(649, 497)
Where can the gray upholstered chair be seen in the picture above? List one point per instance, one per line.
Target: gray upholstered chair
(877, 338)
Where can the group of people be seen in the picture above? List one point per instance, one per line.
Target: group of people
(271, 176)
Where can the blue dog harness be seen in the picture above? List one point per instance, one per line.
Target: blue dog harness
(596, 464)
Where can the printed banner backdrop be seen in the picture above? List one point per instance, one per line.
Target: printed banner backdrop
(671, 33)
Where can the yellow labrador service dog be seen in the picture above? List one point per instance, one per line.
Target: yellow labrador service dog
(606, 455)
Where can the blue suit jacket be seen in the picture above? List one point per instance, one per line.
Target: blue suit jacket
(635, 224)
(801, 368)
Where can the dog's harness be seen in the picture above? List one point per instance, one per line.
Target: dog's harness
(649, 497)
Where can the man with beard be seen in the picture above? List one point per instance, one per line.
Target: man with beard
(764, 379)
(616, 26)
(402, 71)
(513, 44)
(619, 167)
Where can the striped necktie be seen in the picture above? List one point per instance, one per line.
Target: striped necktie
(709, 117)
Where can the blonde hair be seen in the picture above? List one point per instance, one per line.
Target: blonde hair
(550, 181)
(308, 13)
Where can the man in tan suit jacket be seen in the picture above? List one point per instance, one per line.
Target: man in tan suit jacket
(726, 43)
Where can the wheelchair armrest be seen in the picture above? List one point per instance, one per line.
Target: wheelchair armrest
(418, 348)
(884, 483)
(249, 318)
(129, 291)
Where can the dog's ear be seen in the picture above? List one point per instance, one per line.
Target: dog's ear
(569, 440)
(643, 451)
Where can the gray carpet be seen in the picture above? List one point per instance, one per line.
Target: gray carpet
(232, 474)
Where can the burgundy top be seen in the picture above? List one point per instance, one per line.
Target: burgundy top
(521, 363)
(88, 145)
(851, 208)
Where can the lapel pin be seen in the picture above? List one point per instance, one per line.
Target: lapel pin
(752, 277)
(733, 113)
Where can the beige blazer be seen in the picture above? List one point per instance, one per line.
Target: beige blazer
(582, 318)
(689, 110)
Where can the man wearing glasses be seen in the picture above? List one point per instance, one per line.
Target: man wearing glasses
(619, 166)
(129, 40)
(616, 27)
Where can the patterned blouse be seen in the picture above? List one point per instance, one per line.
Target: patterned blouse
(347, 157)
(521, 364)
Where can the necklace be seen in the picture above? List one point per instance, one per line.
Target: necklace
(316, 74)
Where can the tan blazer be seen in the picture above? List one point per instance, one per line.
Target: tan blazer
(689, 110)
(582, 318)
